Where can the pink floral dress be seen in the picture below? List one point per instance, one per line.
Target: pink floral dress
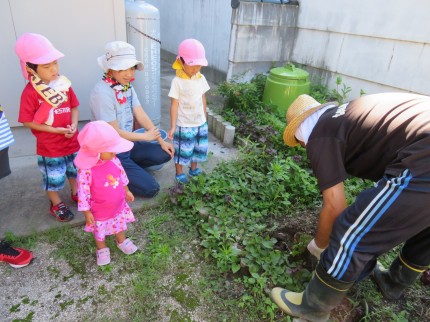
(101, 190)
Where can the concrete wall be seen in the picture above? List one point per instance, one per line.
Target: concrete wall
(79, 28)
(262, 37)
(375, 46)
(209, 21)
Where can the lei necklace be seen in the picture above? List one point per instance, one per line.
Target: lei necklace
(117, 87)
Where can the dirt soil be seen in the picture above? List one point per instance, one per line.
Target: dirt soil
(54, 289)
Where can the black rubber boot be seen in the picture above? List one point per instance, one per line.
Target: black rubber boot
(322, 294)
(393, 281)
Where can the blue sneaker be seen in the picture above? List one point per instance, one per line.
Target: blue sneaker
(181, 178)
(195, 172)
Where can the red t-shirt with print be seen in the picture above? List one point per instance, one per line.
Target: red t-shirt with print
(50, 144)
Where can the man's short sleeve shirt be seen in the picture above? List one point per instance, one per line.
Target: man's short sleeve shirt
(371, 136)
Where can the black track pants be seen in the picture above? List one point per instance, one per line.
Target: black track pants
(396, 210)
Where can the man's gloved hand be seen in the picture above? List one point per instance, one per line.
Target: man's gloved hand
(314, 249)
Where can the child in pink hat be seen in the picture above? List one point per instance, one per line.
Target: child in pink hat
(102, 187)
(188, 126)
(49, 107)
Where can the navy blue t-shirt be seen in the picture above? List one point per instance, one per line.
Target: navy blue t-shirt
(371, 136)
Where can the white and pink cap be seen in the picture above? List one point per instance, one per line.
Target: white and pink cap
(192, 52)
(35, 49)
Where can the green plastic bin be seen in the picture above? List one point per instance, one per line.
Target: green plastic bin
(284, 85)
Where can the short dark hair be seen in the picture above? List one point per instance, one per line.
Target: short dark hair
(32, 66)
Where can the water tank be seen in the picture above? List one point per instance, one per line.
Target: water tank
(284, 85)
(143, 32)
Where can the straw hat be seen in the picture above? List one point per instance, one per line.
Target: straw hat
(299, 110)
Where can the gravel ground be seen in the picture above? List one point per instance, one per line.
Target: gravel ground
(49, 290)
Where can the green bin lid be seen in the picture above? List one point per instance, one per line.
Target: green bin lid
(289, 71)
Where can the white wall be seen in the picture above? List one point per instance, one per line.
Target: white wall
(209, 21)
(374, 45)
(78, 28)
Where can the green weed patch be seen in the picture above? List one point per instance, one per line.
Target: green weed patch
(256, 215)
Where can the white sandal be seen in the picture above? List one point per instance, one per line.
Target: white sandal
(103, 256)
(127, 247)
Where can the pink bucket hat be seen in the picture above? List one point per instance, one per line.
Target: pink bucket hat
(192, 52)
(97, 137)
(35, 49)
(119, 56)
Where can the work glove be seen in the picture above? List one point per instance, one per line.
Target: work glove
(314, 249)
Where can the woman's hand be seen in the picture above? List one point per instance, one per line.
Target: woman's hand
(168, 147)
(151, 134)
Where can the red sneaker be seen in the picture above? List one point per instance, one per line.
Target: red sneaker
(61, 212)
(15, 257)
(74, 197)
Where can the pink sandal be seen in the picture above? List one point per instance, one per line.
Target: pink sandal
(127, 247)
(103, 256)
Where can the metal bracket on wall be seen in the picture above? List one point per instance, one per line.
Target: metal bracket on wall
(235, 4)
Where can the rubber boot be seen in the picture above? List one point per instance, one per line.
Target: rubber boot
(322, 294)
(393, 281)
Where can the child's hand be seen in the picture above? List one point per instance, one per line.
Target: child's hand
(72, 127)
(61, 130)
(129, 196)
(170, 134)
(71, 131)
(89, 218)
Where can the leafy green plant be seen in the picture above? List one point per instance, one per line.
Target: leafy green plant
(353, 186)
(339, 94)
(342, 90)
(254, 120)
(238, 206)
(246, 97)
(230, 211)
(321, 93)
